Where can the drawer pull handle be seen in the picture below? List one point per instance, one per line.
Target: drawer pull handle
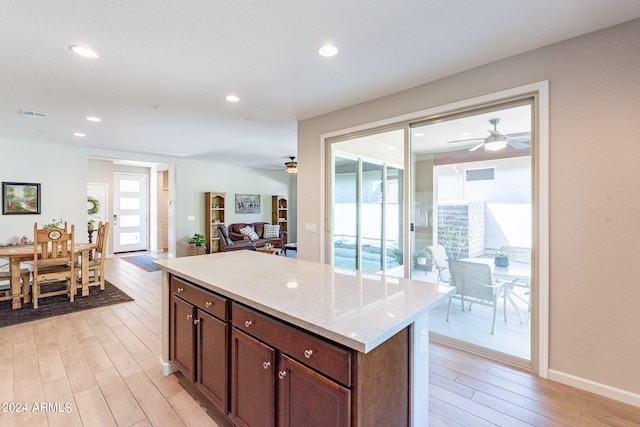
(308, 354)
(282, 374)
(196, 321)
(266, 365)
(189, 316)
(180, 290)
(247, 323)
(208, 304)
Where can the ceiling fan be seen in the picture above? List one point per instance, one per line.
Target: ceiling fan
(497, 140)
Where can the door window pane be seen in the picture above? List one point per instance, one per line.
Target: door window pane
(129, 220)
(129, 186)
(129, 203)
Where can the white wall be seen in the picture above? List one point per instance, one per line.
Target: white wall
(62, 171)
(594, 83)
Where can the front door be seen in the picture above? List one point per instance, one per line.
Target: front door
(130, 212)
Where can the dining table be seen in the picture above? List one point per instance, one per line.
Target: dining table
(20, 253)
(517, 273)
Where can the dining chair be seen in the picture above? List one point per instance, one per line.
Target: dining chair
(440, 262)
(475, 285)
(96, 264)
(5, 280)
(53, 263)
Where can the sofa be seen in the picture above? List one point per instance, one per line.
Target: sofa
(228, 245)
(236, 236)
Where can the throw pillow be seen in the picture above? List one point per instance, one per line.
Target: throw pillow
(271, 231)
(248, 231)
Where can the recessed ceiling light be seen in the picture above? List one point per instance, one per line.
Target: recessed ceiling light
(328, 50)
(84, 51)
(232, 98)
(93, 119)
(79, 134)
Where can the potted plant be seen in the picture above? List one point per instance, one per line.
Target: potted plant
(501, 259)
(423, 257)
(91, 225)
(197, 245)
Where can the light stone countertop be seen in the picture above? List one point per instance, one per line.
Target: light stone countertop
(357, 309)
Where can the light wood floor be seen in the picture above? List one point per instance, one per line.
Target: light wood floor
(104, 365)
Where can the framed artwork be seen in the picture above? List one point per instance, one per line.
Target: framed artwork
(247, 203)
(20, 198)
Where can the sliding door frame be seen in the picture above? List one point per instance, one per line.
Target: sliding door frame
(539, 91)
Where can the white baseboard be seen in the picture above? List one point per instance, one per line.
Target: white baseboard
(168, 368)
(594, 387)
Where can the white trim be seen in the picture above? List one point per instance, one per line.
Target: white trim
(541, 89)
(594, 387)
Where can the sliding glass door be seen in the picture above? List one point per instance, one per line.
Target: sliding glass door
(367, 203)
(472, 187)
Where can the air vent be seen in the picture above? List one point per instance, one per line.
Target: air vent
(35, 114)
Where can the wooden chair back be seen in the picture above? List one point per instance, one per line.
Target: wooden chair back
(53, 260)
(101, 240)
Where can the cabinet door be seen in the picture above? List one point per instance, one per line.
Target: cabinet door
(182, 336)
(252, 381)
(212, 353)
(307, 398)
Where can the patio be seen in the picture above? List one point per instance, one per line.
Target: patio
(474, 327)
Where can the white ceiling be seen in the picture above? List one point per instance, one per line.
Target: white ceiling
(185, 56)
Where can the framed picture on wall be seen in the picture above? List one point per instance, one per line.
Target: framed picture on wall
(247, 203)
(20, 198)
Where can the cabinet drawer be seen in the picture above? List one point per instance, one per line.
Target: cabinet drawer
(328, 358)
(203, 299)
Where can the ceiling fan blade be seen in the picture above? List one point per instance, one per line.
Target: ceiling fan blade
(519, 135)
(518, 145)
(466, 140)
(477, 146)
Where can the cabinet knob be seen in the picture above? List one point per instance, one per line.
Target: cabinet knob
(208, 304)
(189, 316)
(196, 321)
(282, 374)
(308, 354)
(180, 290)
(247, 323)
(266, 365)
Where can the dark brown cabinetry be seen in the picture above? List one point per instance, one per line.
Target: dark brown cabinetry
(261, 371)
(305, 397)
(199, 339)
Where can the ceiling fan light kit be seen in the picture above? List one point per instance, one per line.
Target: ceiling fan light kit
(498, 141)
(292, 166)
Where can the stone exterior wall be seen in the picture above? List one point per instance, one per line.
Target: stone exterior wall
(461, 228)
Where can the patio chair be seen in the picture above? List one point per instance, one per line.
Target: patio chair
(475, 285)
(440, 261)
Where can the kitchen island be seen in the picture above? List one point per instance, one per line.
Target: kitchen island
(278, 341)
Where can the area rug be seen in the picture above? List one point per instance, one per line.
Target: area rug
(60, 304)
(142, 261)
